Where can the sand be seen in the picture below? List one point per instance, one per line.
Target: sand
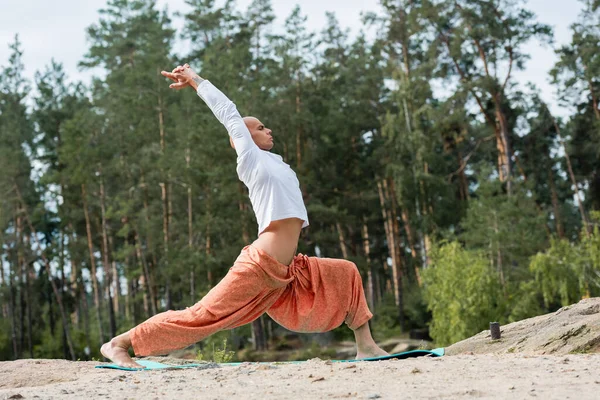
(503, 376)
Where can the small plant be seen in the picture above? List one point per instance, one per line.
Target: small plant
(218, 355)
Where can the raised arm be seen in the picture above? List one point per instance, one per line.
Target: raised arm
(223, 108)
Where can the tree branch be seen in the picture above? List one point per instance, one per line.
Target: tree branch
(464, 79)
(466, 159)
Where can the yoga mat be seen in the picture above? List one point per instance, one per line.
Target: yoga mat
(398, 356)
(401, 356)
(152, 365)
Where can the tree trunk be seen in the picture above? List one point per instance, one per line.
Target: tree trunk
(130, 310)
(385, 218)
(147, 280)
(78, 288)
(594, 98)
(154, 262)
(586, 223)
(28, 277)
(23, 284)
(3, 303)
(165, 198)
(397, 265)
(342, 240)
(190, 228)
(258, 334)
(299, 126)
(462, 178)
(74, 282)
(12, 313)
(370, 272)
(503, 146)
(391, 242)
(95, 286)
(560, 230)
(115, 277)
(106, 265)
(57, 294)
(165, 203)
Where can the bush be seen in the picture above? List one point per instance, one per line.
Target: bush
(568, 271)
(463, 293)
(218, 355)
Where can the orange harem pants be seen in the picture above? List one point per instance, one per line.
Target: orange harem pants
(311, 295)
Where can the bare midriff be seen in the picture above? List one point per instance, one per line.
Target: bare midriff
(280, 239)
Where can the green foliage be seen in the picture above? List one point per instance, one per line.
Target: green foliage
(6, 352)
(567, 271)
(462, 292)
(384, 323)
(525, 301)
(507, 229)
(555, 273)
(219, 355)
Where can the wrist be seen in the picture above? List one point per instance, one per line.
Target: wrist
(195, 81)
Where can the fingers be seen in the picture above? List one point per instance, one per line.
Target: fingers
(178, 76)
(174, 76)
(179, 85)
(181, 68)
(169, 75)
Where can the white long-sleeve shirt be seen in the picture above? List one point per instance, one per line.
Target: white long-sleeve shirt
(274, 188)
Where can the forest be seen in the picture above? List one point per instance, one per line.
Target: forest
(459, 195)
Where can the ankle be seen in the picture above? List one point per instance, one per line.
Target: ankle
(121, 341)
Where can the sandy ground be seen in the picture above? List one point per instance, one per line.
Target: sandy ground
(508, 376)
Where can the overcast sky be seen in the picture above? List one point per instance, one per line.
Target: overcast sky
(57, 29)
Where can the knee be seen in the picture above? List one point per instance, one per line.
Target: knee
(352, 269)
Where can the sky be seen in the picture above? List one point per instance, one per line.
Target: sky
(57, 29)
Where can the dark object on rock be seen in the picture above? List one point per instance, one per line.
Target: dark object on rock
(495, 330)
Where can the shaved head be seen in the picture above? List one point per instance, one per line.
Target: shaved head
(261, 135)
(251, 121)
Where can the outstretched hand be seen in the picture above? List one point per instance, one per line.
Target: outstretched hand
(183, 76)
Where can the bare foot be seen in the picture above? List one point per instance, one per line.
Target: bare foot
(372, 351)
(117, 351)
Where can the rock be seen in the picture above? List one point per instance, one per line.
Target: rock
(572, 329)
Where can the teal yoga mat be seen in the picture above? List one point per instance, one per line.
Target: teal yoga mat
(398, 356)
(152, 365)
(401, 356)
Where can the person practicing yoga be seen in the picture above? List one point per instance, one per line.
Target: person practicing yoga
(301, 293)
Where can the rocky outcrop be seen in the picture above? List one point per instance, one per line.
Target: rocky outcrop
(572, 329)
